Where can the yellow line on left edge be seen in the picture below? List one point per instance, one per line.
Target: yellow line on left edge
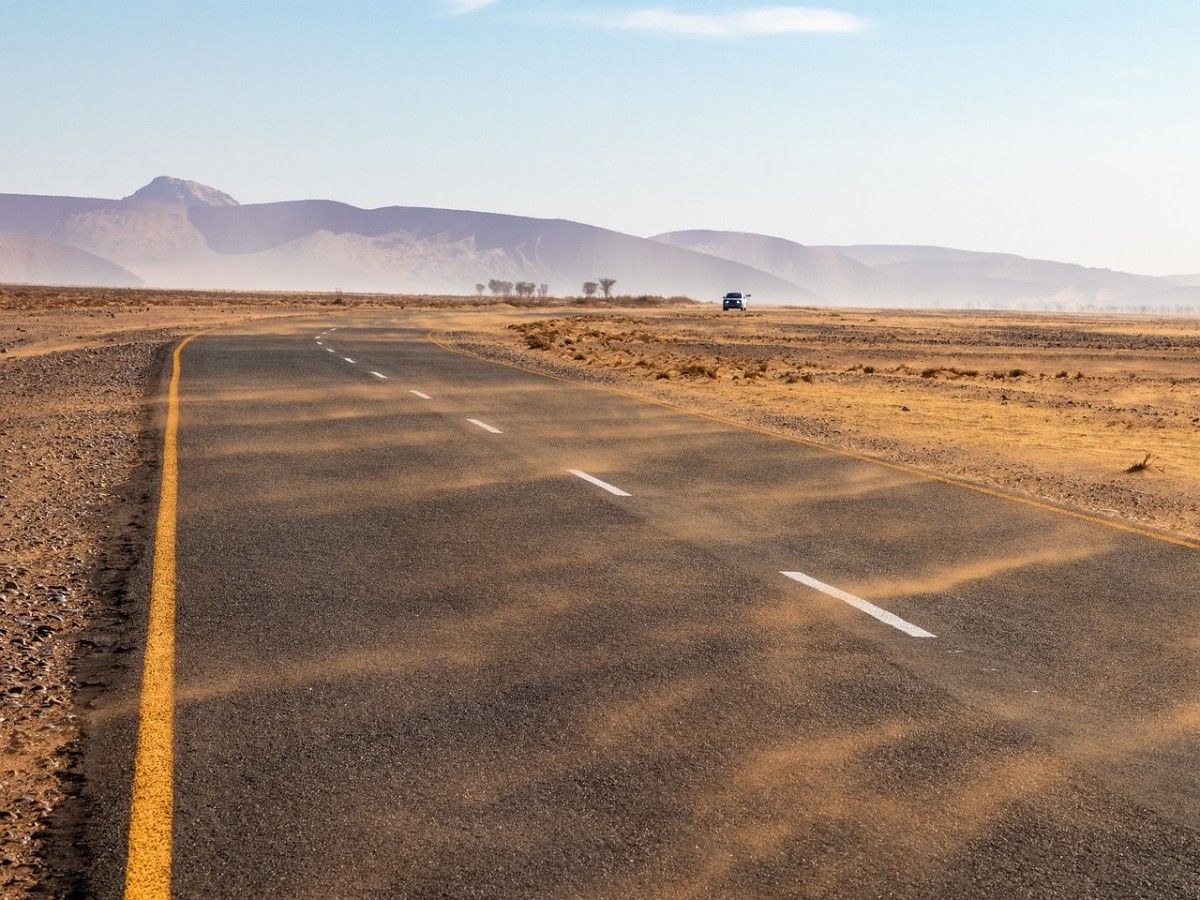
(148, 865)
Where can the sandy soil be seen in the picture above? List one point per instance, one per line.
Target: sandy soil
(1052, 406)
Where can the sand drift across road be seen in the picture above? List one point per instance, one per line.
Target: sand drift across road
(443, 627)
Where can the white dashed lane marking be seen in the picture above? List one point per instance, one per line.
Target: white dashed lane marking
(859, 603)
(600, 484)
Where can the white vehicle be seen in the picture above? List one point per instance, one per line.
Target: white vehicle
(735, 300)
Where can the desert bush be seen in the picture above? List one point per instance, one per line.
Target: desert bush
(697, 369)
(540, 339)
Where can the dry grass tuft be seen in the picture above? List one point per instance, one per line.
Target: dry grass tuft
(696, 369)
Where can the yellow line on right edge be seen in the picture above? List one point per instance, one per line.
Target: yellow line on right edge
(148, 864)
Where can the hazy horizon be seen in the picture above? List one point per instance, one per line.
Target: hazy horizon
(1063, 135)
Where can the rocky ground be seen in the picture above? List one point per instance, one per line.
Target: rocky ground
(70, 446)
(1101, 414)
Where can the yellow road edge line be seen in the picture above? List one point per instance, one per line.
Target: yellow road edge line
(148, 863)
(432, 337)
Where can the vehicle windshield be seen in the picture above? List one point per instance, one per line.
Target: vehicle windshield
(733, 296)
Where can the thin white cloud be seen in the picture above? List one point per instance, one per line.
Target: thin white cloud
(462, 7)
(1104, 102)
(763, 20)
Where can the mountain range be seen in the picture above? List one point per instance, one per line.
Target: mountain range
(174, 233)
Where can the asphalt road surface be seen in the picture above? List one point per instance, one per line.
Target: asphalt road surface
(447, 628)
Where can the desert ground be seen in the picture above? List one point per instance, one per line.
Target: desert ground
(1096, 414)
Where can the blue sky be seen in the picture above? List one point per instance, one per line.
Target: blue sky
(1060, 129)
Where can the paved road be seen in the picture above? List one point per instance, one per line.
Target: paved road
(418, 656)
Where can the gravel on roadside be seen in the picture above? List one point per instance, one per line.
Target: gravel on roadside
(70, 426)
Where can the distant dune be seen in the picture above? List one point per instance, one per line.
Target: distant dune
(881, 275)
(450, 250)
(178, 233)
(944, 274)
(30, 259)
(822, 270)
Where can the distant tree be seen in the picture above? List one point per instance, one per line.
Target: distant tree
(506, 288)
(606, 285)
(543, 290)
(590, 288)
(480, 288)
(495, 286)
(525, 288)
